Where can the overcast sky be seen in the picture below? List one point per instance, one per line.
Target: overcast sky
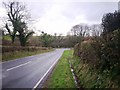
(58, 16)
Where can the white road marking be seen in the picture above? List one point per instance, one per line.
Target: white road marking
(18, 66)
(44, 75)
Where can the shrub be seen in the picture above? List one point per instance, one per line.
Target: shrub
(102, 53)
(88, 54)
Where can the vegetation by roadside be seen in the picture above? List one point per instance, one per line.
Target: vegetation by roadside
(61, 76)
(99, 61)
(6, 49)
(19, 54)
(88, 77)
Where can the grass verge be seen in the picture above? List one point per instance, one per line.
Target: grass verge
(61, 76)
(19, 54)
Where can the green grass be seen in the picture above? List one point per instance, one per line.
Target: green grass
(20, 54)
(7, 38)
(61, 76)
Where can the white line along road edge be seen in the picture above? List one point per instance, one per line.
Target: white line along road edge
(18, 66)
(44, 75)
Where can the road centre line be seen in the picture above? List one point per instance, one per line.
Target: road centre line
(18, 66)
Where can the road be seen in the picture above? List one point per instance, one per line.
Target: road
(28, 72)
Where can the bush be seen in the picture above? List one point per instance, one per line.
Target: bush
(76, 50)
(87, 77)
(110, 56)
(88, 54)
(102, 53)
(111, 22)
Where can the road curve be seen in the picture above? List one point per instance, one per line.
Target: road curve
(27, 72)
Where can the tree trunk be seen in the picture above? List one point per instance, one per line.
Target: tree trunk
(22, 40)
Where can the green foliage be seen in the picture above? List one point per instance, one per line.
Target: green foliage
(23, 33)
(88, 77)
(46, 39)
(111, 22)
(110, 54)
(23, 37)
(58, 41)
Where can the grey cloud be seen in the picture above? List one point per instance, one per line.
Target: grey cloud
(38, 9)
(92, 10)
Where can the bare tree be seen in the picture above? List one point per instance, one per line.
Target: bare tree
(96, 29)
(80, 30)
(17, 21)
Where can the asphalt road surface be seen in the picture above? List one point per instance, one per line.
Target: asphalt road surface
(28, 72)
